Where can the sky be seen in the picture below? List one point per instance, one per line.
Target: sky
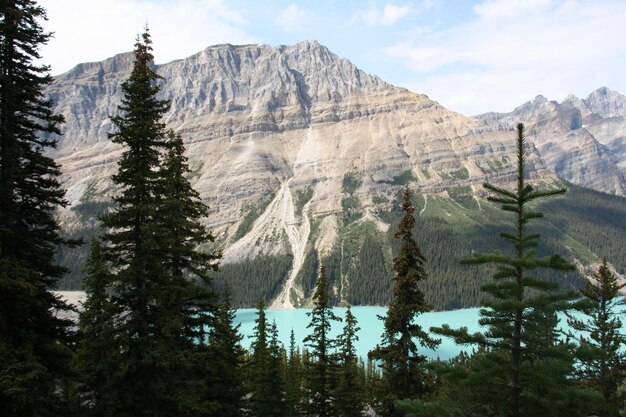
(470, 56)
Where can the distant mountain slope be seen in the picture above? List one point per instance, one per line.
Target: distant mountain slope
(582, 141)
(300, 155)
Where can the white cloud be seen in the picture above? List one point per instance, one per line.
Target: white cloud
(388, 15)
(496, 64)
(92, 30)
(391, 14)
(500, 9)
(292, 18)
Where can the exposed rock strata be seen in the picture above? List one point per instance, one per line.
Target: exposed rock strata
(264, 126)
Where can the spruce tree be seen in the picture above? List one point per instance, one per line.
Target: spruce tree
(159, 279)
(33, 340)
(520, 313)
(601, 355)
(349, 394)
(267, 391)
(293, 378)
(96, 352)
(403, 370)
(226, 359)
(139, 280)
(322, 373)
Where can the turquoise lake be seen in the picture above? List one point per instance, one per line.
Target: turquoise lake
(371, 326)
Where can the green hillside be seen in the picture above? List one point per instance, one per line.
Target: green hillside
(584, 225)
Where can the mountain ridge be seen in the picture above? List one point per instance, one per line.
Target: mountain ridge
(291, 146)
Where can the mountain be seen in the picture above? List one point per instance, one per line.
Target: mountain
(582, 141)
(301, 156)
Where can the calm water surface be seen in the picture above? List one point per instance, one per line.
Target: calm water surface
(371, 326)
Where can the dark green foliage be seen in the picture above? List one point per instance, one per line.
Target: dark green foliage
(366, 269)
(350, 183)
(33, 341)
(225, 362)
(261, 276)
(157, 278)
(403, 371)
(349, 394)
(456, 286)
(293, 378)
(322, 372)
(309, 271)
(520, 310)
(133, 249)
(97, 354)
(179, 212)
(303, 197)
(601, 350)
(264, 371)
(418, 408)
(595, 219)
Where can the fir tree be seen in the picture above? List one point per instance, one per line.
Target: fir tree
(403, 371)
(322, 373)
(159, 279)
(276, 381)
(293, 378)
(132, 245)
(349, 393)
(33, 341)
(223, 366)
(179, 214)
(600, 353)
(96, 353)
(520, 313)
(265, 374)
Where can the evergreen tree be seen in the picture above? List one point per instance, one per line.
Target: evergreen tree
(158, 277)
(349, 393)
(226, 358)
(403, 371)
(520, 314)
(600, 353)
(96, 352)
(293, 378)
(34, 342)
(132, 245)
(322, 372)
(276, 381)
(267, 393)
(179, 214)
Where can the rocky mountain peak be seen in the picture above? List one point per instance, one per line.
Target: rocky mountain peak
(290, 145)
(606, 103)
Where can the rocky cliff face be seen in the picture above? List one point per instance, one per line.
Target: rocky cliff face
(284, 142)
(582, 141)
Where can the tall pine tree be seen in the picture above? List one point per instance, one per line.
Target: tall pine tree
(349, 393)
(158, 277)
(520, 313)
(293, 378)
(268, 397)
(403, 370)
(33, 341)
(132, 243)
(226, 359)
(97, 351)
(322, 372)
(601, 355)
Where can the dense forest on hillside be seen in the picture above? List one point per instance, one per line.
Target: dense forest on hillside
(584, 225)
